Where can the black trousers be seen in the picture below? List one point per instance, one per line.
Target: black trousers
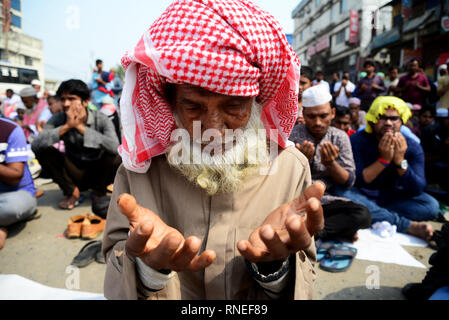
(95, 175)
(342, 219)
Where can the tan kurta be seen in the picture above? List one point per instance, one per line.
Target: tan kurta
(220, 221)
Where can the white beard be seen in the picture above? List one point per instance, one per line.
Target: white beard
(224, 172)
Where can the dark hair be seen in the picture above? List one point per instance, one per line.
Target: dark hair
(427, 108)
(320, 72)
(75, 87)
(9, 90)
(413, 60)
(369, 62)
(98, 61)
(307, 72)
(342, 111)
(57, 98)
(392, 68)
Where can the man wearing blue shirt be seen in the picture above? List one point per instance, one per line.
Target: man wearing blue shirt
(390, 177)
(17, 192)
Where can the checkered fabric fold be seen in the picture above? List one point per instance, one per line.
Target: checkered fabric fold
(230, 47)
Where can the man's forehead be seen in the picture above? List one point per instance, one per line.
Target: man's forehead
(317, 110)
(391, 111)
(344, 117)
(66, 95)
(191, 92)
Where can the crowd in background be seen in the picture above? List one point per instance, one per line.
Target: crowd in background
(73, 135)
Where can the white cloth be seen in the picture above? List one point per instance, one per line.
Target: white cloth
(315, 96)
(13, 100)
(342, 99)
(372, 247)
(45, 115)
(151, 278)
(322, 83)
(15, 287)
(384, 229)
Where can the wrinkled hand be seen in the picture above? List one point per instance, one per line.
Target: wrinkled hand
(400, 147)
(307, 148)
(159, 245)
(329, 153)
(386, 147)
(286, 230)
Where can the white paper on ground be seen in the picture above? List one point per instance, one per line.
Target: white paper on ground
(372, 247)
(15, 287)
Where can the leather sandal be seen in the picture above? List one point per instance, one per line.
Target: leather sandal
(74, 225)
(92, 226)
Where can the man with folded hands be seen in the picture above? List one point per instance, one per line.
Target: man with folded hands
(236, 223)
(329, 152)
(90, 160)
(390, 171)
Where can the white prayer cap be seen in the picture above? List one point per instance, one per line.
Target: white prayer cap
(315, 96)
(35, 82)
(442, 67)
(354, 100)
(27, 92)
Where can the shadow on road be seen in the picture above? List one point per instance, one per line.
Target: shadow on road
(15, 229)
(363, 293)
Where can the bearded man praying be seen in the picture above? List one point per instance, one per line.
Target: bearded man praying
(239, 223)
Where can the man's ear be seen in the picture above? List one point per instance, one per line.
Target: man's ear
(85, 103)
(333, 113)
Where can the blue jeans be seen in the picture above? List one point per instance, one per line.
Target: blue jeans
(400, 213)
(16, 206)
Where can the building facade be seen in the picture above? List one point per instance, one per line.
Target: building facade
(334, 35)
(420, 29)
(21, 56)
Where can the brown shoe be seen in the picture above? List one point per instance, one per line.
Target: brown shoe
(74, 225)
(92, 226)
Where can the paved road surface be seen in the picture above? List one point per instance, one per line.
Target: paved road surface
(38, 251)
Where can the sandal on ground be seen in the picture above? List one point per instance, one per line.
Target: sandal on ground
(92, 226)
(87, 254)
(99, 258)
(323, 247)
(338, 259)
(68, 204)
(74, 225)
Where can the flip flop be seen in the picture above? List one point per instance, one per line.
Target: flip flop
(339, 258)
(323, 248)
(87, 254)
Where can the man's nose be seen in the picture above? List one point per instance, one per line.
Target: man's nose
(213, 120)
(65, 103)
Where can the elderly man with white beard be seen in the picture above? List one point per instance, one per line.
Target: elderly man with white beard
(235, 223)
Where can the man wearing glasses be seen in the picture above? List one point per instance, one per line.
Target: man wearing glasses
(390, 179)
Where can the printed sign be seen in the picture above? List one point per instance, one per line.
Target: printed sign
(354, 26)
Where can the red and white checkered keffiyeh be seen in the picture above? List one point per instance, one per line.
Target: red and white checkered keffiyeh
(229, 47)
